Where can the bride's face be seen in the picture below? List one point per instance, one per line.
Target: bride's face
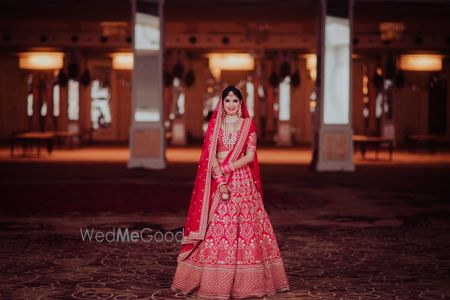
(231, 104)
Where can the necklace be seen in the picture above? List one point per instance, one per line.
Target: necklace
(230, 130)
(231, 119)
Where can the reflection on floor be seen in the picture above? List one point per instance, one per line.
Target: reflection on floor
(191, 154)
(378, 233)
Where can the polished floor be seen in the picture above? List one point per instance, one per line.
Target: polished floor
(382, 232)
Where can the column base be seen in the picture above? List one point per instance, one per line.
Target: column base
(155, 164)
(147, 146)
(284, 137)
(178, 133)
(335, 148)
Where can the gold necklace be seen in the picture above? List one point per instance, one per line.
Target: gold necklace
(231, 119)
(230, 130)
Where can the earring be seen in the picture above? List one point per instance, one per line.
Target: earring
(239, 112)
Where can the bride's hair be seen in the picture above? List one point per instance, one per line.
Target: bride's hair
(233, 89)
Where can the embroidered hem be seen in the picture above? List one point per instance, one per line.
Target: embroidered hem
(231, 281)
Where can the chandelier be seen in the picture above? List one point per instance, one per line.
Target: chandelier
(391, 30)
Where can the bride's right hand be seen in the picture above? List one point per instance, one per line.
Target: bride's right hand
(223, 189)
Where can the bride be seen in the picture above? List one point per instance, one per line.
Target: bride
(229, 248)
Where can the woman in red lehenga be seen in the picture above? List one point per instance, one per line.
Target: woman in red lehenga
(229, 249)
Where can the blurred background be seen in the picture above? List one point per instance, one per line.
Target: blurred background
(268, 48)
(103, 109)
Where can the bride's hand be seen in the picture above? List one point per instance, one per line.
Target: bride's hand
(223, 189)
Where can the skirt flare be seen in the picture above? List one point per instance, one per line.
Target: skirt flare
(239, 256)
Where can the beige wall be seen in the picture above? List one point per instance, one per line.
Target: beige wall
(357, 97)
(300, 113)
(446, 75)
(410, 104)
(410, 107)
(195, 98)
(13, 105)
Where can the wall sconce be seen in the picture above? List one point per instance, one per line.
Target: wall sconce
(421, 62)
(123, 61)
(311, 65)
(41, 60)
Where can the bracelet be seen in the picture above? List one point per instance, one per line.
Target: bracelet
(216, 175)
(220, 180)
(226, 168)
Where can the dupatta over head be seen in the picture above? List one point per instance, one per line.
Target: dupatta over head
(204, 198)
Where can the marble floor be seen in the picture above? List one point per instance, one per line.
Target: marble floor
(382, 232)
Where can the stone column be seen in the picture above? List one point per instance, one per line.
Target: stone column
(333, 127)
(284, 117)
(147, 136)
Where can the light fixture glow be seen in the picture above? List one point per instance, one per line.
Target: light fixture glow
(41, 60)
(147, 32)
(421, 62)
(311, 61)
(147, 115)
(379, 71)
(311, 65)
(391, 30)
(123, 61)
(230, 61)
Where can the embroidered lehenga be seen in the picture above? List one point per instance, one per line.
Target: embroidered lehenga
(229, 249)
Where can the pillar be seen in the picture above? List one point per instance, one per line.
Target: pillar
(333, 127)
(147, 137)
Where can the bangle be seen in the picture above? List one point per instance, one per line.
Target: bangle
(216, 175)
(226, 168)
(220, 180)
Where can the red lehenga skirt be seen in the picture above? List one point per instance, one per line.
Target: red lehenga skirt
(239, 256)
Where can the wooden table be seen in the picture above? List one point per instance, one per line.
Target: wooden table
(29, 139)
(363, 141)
(67, 136)
(428, 139)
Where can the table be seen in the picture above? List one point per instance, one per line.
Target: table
(428, 139)
(28, 139)
(363, 141)
(66, 136)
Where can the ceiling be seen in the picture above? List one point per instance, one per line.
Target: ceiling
(422, 16)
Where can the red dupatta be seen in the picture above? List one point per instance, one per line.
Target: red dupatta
(204, 198)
